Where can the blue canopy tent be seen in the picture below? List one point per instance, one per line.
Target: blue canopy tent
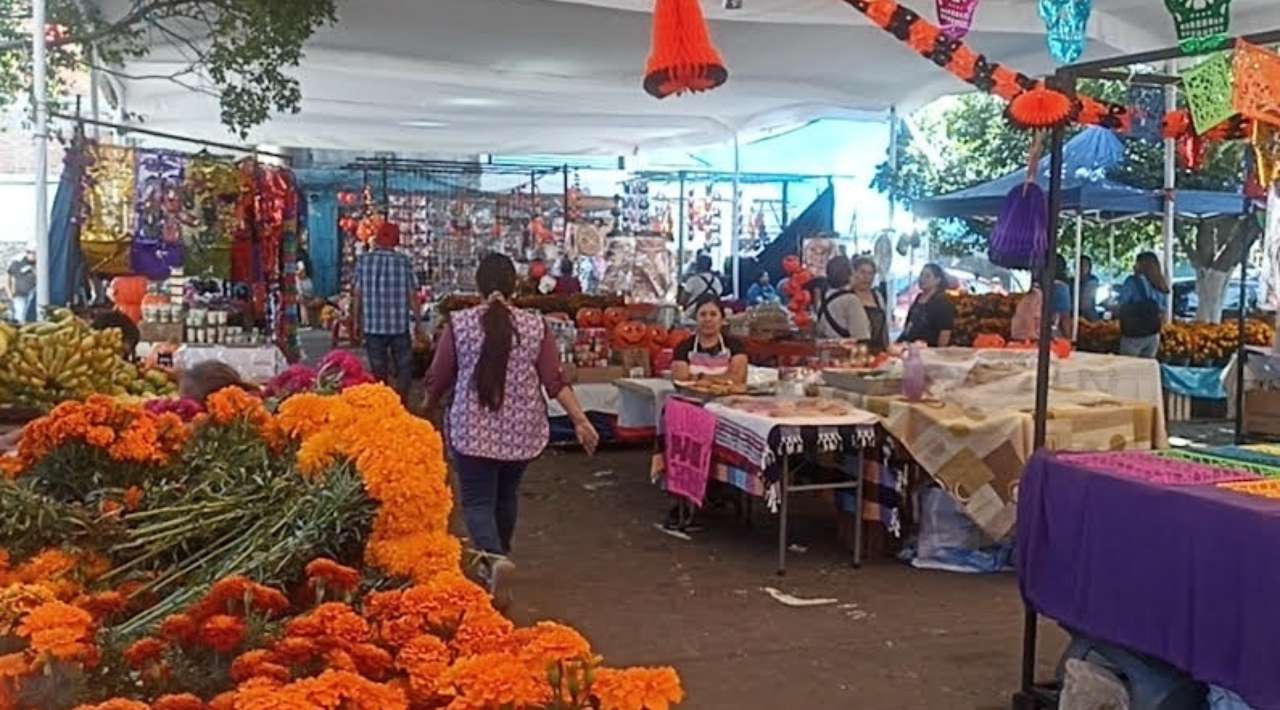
(1086, 160)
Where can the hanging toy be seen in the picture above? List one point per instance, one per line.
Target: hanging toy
(1042, 108)
(1067, 22)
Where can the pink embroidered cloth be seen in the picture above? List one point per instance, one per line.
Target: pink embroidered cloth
(690, 436)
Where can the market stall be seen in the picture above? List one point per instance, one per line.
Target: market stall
(203, 247)
(1162, 553)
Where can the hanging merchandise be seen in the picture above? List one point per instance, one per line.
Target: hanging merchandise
(651, 280)
(157, 243)
(956, 16)
(1266, 150)
(1201, 24)
(1208, 89)
(1192, 151)
(106, 219)
(683, 57)
(1067, 22)
(243, 262)
(1148, 113)
(1257, 83)
(208, 218)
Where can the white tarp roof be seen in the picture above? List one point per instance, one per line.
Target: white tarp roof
(564, 76)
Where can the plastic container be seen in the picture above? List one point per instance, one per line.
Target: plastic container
(914, 380)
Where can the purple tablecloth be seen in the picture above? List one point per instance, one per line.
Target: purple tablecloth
(1188, 574)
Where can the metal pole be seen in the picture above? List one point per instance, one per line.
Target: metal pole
(1170, 183)
(786, 217)
(680, 203)
(737, 208)
(95, 105)
(1242, 353)
(1075, 322)
(39, 93)
(566, 207)
(893, 165)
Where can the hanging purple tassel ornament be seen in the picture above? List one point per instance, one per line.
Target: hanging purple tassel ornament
(1021, 236)
(956, 17)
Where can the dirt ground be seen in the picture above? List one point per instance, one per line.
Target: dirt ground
(898, 638)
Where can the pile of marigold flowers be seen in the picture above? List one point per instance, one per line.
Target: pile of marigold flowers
(395, 625)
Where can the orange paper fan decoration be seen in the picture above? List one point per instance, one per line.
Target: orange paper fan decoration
(683, 58)
(1042, 108)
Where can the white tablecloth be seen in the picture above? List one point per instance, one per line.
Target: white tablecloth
(256, 364)
(640, 401)
(600, 397)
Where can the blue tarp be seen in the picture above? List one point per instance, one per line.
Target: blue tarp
(1085, 187)
(65, 264)
(1194, 382)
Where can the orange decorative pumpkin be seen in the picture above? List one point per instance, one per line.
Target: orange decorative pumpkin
(630, 334)
(657, 336)
(676, 337)
(590, 318)
(791, 264)
(614, 316)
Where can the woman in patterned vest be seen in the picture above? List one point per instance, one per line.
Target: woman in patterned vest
(497, 360)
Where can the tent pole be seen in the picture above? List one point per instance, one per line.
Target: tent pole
(786, 186)
(1242, 353)
(1170, 183)
(680, 236)
(40, 90)
(1028, 697)
(1075, 321)
(566, 207)
(737, 208)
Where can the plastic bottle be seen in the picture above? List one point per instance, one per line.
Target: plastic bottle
(913, 375)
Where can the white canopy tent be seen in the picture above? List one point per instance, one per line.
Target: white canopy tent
(564, 76)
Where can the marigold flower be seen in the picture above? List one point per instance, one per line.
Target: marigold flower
(103, 604)
(144, 651)
(335, 577)
(110, 507)
(294, 650)
(184, 701)
(232, 403)
(179, 628)
(637, 688)
(13, 665)
(267, 600)
(133, 498)
(483, 632)
(548, 644)
(59, 630)
(424, 660)
(258, 664)
(493, 680)
(372, 661)
(222, 633)
(334, 620)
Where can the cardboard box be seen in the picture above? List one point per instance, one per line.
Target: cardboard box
(594, 375)
(635, 361)
(1262, 412)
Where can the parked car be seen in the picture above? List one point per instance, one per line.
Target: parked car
(1186, 303)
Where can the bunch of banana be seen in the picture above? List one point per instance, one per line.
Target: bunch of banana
(7, 335)
(63, 359)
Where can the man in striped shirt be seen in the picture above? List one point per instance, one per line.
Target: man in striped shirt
(387, 310)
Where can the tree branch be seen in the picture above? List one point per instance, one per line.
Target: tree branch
(137, 15)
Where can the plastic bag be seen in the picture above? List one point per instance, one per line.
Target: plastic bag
(1091, 687)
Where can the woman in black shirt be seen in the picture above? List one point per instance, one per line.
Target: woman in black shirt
(932, 315)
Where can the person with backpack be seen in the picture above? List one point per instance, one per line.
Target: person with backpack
(1143, 300)
(841, 315)
(701, 285)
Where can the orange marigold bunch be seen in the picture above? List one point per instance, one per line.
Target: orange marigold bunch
(258, 663)
(127, 433)
(331, 621)
(330, 690)
(183, 701)
(144, 652)
(637, 688)
(424, 661)
(116, 704)
(494, 680)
